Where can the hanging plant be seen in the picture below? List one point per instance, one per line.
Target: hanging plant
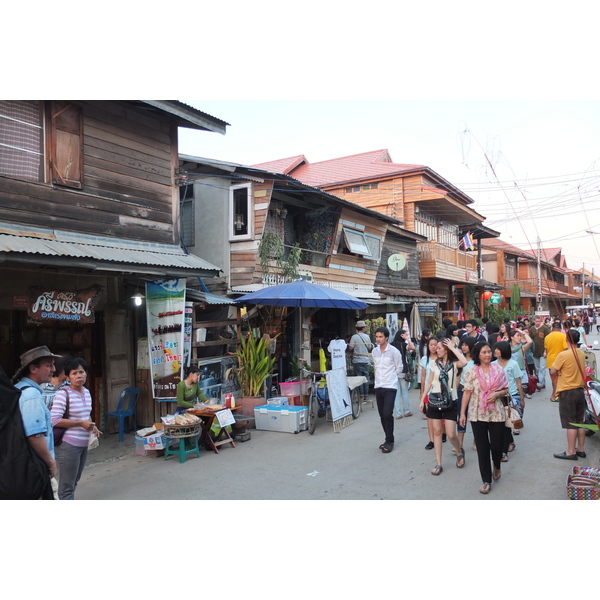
(271, 250)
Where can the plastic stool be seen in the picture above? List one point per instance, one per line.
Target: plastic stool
(181, 451)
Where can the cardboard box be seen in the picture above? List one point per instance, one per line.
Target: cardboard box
(288, 419)
(156, 441)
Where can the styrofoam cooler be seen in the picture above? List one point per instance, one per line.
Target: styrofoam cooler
(288, 419)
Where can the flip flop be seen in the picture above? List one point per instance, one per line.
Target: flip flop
(387, 448)
(485, 488)
(437, 470)
(460, 457)
(511, 446)
(497, 474)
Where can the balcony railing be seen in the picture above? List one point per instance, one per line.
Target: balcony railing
(531, 285)
(434, 252)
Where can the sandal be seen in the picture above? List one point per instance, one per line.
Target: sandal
(437, 470)
(429, 446)
(511, 446)
(497, 474)
(485, 488)
(460, 457)
(504, 458)
(387, 448)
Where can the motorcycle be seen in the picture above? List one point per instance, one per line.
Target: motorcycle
(593, 405)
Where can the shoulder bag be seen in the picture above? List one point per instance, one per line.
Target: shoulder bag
(439, 401)
(59, 432)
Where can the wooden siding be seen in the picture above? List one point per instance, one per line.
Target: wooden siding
(409, 276)
(128, 180)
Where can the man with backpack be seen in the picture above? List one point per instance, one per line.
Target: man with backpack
(37, 367)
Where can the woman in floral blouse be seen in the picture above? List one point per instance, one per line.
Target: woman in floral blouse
(484, 386)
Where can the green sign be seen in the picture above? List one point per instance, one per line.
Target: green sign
(495, 299)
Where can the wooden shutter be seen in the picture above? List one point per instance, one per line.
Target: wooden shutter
(66, 144)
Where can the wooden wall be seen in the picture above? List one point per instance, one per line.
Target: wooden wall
(128, 185)
(409, 276)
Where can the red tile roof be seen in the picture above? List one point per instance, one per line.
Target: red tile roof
(358, 167)
(283, 165)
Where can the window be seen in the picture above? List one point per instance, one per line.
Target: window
(374, 244)
(187, 221)
(26, 130)
(240, 212)
(22, 140)
(356, 242)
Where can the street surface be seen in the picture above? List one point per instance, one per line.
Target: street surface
(346, 465)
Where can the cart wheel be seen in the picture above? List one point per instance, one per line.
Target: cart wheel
(355, 402)
(313, 409)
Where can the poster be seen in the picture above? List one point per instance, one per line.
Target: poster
(392, 325)
(165, 306)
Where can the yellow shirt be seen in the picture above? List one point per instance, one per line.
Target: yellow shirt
(554, 343)
(570, 377)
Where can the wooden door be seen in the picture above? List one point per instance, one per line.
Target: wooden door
(118, 360)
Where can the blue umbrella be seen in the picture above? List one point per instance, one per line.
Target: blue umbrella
(303, 294)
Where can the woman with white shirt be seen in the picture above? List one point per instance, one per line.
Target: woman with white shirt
(443, 381)
(71, 409)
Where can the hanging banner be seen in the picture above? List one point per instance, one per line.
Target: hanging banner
(57, 305)
(165, 306)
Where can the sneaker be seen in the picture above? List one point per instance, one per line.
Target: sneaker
(429, 446)
(443, 437)
(528, 396)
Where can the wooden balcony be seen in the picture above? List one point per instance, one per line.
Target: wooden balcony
(442, 262)
(531, 285)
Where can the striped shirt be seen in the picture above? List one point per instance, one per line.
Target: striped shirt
(80, 408)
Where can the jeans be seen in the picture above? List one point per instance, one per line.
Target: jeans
(362, 369)
(71, 462)
(540, 369)
(385, 406)
(402, 392)
(489, 436)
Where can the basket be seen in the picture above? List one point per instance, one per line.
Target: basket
(181, 431)
(577, 489)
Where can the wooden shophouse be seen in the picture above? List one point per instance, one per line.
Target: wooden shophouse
(89, 207)
(425, 202)
(233, 208)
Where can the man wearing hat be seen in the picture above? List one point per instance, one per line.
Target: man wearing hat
(361, 346)
(37, 367)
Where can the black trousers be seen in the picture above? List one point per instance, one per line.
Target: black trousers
(385, 405)
(489, 437)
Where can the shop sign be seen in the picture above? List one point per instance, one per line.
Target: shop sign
(397, 262)
(20, 301)
(56, 305)
(495, 299)
(165, 309)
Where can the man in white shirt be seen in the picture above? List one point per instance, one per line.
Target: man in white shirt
(388, 369)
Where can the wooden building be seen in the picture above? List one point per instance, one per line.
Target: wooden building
(89, 198)
(233, 208)
(423, 201)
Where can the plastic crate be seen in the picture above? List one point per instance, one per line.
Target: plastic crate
(287, 419)
(293, 388)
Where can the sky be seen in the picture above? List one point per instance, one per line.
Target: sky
(532, 167)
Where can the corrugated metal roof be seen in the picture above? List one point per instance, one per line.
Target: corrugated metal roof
(61, 244)
(200, 296)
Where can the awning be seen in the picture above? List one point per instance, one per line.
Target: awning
(404, 295)
(556, 293)
(65, 249)
(194, 295)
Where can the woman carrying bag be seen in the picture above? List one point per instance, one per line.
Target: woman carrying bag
(442, 400)
(484, 386)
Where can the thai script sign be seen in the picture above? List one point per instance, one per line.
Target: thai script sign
(53, 305)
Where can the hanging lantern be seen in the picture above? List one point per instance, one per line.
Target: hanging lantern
(487, 295)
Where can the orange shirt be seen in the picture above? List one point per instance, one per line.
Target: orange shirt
(570, 377)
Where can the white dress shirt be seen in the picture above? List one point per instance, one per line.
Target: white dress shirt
(388, 367)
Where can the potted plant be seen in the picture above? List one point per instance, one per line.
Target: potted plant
(255, 365)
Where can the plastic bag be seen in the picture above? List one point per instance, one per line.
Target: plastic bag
(94, 442)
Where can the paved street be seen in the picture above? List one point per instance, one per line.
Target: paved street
(341, 466)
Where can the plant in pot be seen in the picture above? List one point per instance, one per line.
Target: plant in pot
(255, 366)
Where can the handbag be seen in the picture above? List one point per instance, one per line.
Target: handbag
(59, 432)
(513, 419)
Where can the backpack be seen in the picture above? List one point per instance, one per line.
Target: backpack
(23, 474)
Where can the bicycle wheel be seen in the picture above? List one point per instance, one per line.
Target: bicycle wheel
(355, 396)
(313, 408)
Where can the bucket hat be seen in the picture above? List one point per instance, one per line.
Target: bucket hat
(360, 324)
(30, 356)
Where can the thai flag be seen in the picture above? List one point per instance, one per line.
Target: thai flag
(467, 241)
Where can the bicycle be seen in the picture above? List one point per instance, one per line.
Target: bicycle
(318, 400)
